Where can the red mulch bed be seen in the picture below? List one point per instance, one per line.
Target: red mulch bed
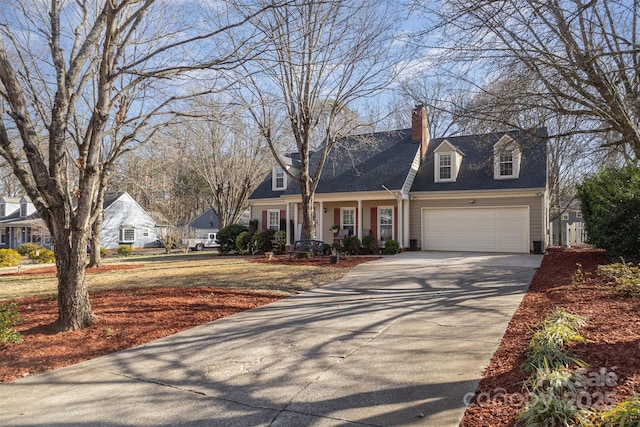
(613, 331)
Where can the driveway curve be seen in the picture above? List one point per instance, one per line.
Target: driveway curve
(396, 342)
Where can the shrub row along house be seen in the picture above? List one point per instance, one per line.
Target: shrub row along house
(125, 222)
(463, 193)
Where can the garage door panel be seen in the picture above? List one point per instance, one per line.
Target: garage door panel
(504, 229)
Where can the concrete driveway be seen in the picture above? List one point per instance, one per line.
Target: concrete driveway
(396, 342)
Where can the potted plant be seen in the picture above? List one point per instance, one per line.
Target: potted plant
(334, 228)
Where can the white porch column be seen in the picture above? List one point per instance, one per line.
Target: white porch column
(400, 219)
(359, 220)
(295, 221)
(288, 227)
(320, 216)
(406, 227)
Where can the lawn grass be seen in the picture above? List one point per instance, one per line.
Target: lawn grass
(175, 270)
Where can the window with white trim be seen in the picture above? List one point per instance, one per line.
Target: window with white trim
(444, 169)
(385, 223)
(447, 161)
(506, 164)
(579, 215)
(273, 219)
(3, 210)
(348, 220)
(506, 158)
(3, 240)
(279, 179)
(126, 235)
(565, 216)
(23, 210)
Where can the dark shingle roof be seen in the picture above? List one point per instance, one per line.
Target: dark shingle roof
(368, 162)
(476, 170)
(207, 220)
(359, 163)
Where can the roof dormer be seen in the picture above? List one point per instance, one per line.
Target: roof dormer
(447, 161)
(507, 155)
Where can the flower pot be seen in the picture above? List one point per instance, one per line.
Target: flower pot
(334, 259)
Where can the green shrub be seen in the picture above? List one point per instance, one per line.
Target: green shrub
(326, 249)
(26, 248)
(9, 258)
(125, 250)
(391, 247)
(242, 242)
(262, 241)
(42, 256)
(370, 244)
(279, 241)
(625, 277)
(103, 252)
(625, 413)
(351, 245)
(611, 209)
(9, 318)
(227, 237)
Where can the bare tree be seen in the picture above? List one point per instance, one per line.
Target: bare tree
(320, 57)
(227, 155)
(582, 57)
(81, 83)
(158, 176)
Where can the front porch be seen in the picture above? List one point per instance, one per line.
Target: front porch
(382, 217)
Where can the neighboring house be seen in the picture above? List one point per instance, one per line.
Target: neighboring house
(125, 222)
(20, 223)
(464, 193)
(205, 224)
(568, 229)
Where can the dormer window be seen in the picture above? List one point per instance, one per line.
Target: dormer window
(279, 179)
(445, 167)
(447, 162)
(506, 158)
(23, 210)
(506, 164)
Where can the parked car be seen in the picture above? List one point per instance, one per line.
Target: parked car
(207, 241)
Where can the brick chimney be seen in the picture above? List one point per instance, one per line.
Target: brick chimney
(420, 129)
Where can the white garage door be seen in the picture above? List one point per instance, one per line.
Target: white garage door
(476, 229)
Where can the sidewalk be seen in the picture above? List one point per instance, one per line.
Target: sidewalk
(398, 341)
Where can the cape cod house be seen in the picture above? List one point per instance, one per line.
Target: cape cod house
(463, 193)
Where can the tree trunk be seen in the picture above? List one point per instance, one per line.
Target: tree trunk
(74, 309)
(308, 224)
(95, 257)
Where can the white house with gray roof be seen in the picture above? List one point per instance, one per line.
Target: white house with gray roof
(125, 222)
(483, 193)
